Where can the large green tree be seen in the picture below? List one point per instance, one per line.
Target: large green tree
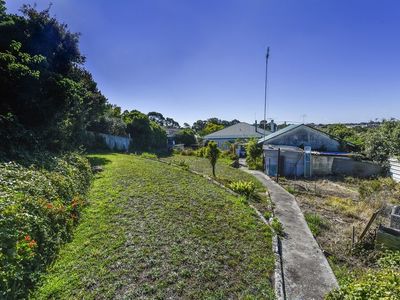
(146, 134)
(43, 84)
(383, 142)
(185, 136)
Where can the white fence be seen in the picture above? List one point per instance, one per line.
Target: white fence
(395, 169)
(113, 142)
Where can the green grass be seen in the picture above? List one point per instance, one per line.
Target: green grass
(315, 222)
(156, 231)
(224, 173)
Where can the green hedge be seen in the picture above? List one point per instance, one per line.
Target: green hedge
(39, 206)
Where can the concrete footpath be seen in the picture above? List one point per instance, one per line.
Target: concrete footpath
(306, 272)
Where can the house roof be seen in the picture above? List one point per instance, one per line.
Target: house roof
(279, 132)
(240, 130)
(292, 127)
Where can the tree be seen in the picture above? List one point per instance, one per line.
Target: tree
(42, 82)
(185, 136)
(254, 155)
(346, 134)
(157, 117)
(146, 134)
(211, 127)
(212, 153)
(110, 122)
(199, 125)
(383, 142)
(171, 123)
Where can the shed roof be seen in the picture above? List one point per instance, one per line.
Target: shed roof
(240, 130)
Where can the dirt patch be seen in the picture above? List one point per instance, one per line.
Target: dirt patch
(341, 204)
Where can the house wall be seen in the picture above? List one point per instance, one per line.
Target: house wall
(222, 143)
(292, 165)
(306, 136)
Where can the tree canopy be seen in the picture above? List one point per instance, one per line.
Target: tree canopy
(43, 85)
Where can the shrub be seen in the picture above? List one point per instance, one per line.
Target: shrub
(229, 154)
(245, 188)
(187, 152)
(148, 155)
(39, 205)
(381, 283)
(254, 155)
(201, 152)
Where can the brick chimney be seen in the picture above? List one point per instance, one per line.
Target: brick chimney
(273, 126)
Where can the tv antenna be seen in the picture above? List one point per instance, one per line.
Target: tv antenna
(266, 105)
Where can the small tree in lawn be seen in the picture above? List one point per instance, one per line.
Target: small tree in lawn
(212, 153)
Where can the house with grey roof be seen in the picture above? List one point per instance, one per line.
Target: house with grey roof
(286, 153)
(301, 135)
(240, 131)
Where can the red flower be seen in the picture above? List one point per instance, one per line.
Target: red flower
(49, 205)
(32, 244)
(27, 238)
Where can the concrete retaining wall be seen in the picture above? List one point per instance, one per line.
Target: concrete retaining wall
(334, 165)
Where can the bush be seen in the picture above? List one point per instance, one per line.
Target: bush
(201, 152)
(188, 152)
(39, 205)
(148, 155)
(229, 154)
(380, 283)
(254, 155)
(245, 188)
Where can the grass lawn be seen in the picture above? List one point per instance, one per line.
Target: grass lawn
(224, 173)
(156, 231)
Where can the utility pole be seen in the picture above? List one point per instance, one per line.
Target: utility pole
(265, 90)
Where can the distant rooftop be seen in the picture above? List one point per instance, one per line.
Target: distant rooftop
(238, 131)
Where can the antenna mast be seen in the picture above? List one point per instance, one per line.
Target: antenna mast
(265, 91)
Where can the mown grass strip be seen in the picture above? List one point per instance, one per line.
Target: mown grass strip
(156, 231)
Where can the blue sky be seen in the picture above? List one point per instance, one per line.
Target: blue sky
(333, 60)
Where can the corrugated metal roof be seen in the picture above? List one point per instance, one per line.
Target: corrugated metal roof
(238, 131)
(279, 132)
